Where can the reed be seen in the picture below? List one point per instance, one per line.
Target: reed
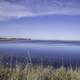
(38, 72)
(32, 72)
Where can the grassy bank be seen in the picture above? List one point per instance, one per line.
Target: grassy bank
(31, 72)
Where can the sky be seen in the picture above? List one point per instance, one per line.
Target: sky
(40, 19)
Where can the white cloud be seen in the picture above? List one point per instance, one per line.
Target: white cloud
(9, 10)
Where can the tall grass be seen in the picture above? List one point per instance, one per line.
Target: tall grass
(31, 72)
(37, 72)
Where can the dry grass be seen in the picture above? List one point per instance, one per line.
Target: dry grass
(31, 72)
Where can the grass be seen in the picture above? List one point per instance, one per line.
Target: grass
(31, 72)
(36, 72)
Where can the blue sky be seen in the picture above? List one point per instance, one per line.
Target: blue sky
(40, 19)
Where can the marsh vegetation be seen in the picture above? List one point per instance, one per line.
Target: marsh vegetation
(29, 71)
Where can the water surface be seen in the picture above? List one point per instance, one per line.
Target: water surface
(51, 53)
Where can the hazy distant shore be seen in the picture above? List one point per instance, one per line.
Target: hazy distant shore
(12, 39)
(40, 41)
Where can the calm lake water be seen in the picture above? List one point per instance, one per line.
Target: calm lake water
(50, 53)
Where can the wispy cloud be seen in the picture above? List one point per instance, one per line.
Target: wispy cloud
(10, 10)
(31, 8)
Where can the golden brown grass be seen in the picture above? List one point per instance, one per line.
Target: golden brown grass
(31, 72)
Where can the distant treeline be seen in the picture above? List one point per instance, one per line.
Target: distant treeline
(14, 39)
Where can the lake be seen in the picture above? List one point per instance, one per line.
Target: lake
(46, 53)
